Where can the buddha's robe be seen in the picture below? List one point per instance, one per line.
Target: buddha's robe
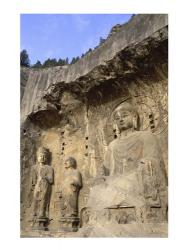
(128, 155)
(72, 182)
(42, 179)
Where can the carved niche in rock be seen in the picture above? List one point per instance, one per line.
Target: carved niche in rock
(72, 183)
(134, 169)
(42, 178)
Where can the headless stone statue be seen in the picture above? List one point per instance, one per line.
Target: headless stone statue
(42, 180)
(71, 184)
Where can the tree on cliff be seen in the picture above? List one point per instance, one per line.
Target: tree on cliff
(67, 60)
(61, 62)
(50, 62)
(24, 59)
(74, 60)
(53, 62)
(37, 64)
(101, 40)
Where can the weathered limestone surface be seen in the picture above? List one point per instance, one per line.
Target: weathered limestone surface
(24, 75)
(130, 34)
(69, 110)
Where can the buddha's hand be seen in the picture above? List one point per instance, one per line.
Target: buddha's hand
(144, 162)
(147, 166)
(73, 187)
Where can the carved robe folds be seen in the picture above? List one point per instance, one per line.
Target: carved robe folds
(42, 179)
(72, 183)
(136, 178)
(124, 155)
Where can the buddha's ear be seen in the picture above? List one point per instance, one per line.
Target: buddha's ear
(135, 122)
(116, 130)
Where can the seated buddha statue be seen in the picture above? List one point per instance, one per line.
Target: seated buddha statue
(134, 169)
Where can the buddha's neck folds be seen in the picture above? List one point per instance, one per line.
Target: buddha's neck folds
(127, 132)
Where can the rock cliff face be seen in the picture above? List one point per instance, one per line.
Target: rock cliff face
(69, 110)
(24, 74)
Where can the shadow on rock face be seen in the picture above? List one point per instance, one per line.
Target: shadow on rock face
(45, 118)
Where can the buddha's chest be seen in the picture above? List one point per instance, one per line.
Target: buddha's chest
(127, 154)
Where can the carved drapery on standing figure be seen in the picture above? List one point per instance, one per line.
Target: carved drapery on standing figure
(42, 178)
(71, 184)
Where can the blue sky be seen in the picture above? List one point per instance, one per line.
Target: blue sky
(64, 35)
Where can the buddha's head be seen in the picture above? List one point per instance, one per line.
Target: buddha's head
(126, 117)
(43, 155)
(70, 162)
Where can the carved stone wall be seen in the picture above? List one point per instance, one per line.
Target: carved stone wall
(74, 119)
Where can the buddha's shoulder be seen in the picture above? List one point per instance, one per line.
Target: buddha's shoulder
(145, 135)
(137, 135)
(49, 168)
(113, 143)
(34, 167)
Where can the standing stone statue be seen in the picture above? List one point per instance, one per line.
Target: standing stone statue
(42, 180)
(72, 183)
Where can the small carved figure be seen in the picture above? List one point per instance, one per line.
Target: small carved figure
(42, 180)
(84, 216)
(71, 185)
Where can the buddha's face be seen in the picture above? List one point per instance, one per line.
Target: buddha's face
(68, 163)
(42, 158)
(124, 119)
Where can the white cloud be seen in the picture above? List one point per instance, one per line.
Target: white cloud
(50, 26)
(81, 22)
